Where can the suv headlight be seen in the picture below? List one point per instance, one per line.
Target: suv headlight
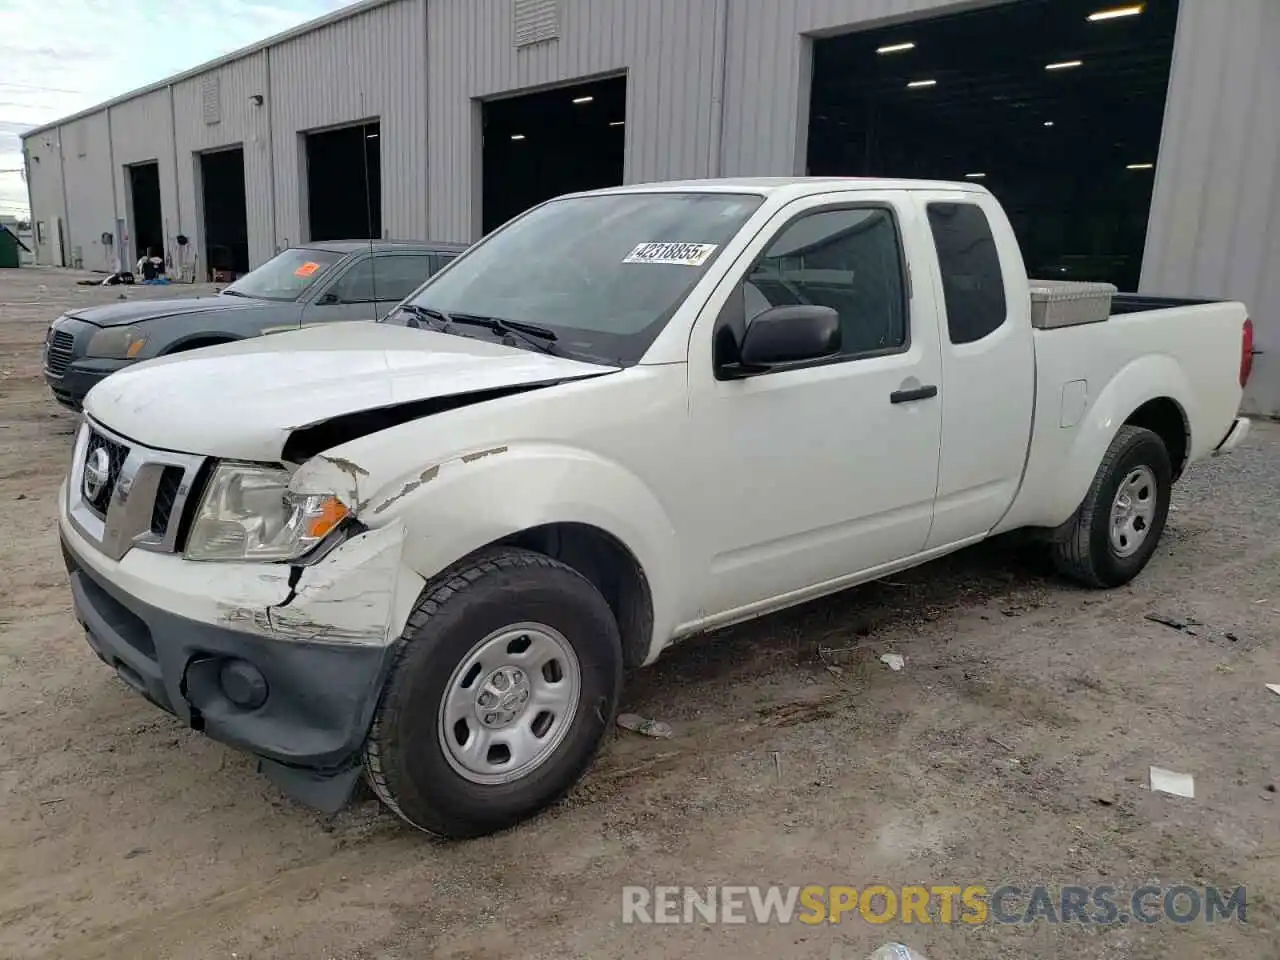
(248, 512)
(116, 343)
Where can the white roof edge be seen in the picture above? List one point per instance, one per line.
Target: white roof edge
(336, 16)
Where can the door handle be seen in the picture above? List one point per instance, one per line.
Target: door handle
(918, 393)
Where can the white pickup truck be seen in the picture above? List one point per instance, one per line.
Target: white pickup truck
(426, 549)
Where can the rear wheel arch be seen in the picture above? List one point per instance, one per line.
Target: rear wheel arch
(1165, 417)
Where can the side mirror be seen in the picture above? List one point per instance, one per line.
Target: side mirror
(782, 335)
(328, 299)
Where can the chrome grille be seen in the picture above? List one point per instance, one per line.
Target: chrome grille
(167, 491)
(117, 453)
(58, 352)
(144, 497)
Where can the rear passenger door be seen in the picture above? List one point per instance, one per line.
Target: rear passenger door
(988, 363)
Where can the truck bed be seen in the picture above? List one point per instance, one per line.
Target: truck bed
(1142, 302)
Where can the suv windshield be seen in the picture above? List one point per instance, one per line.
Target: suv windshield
(604, 273)
(285, 276)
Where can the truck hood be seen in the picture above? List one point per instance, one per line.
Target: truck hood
(132, 311)
(242, 400)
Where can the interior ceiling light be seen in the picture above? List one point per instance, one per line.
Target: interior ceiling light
(895, 48)
(1048, 123)
(517, 136)
(583, 99)
(1063, 65)
(1140, 166)
(1115, 13)
(974, 176)
(617, 123)
(921, 83)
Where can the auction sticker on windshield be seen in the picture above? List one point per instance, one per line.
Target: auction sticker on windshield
(680, 254)
(307, 269)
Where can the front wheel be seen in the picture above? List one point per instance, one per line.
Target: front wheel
(501, 689)
(1118, 525)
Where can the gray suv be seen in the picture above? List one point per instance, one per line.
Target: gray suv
(319, 283)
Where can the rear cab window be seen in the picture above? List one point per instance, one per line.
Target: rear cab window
(972, 282)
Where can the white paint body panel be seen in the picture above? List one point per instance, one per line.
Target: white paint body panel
(735, 497)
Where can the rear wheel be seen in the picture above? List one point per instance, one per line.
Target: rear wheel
(1118, 526)
(502, 687)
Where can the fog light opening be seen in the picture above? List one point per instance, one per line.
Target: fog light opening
(243, 684)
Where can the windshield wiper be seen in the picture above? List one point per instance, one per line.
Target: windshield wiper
(234, 293)
(540, 338)
(422, 313)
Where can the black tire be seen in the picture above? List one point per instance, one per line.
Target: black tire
(1086, 554)
(404, 758)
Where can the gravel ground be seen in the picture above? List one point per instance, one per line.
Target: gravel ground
(1013, 748)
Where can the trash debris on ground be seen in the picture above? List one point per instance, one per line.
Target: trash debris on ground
(1169, 781)
(1000, 743)
(644, 726)
(837, 672)
(896, 951)
(1274, 688)
(1185, 624)
(894, 661)
(777, 765)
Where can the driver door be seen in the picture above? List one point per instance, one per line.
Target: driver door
(369, 288)
(826, 468)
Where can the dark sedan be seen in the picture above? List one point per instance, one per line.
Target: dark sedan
(319, 283)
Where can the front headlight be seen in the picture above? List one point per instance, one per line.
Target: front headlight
(249, 513)
(117, 343)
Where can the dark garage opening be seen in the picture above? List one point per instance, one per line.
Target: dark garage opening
(1070, 151)
(226, 227)
(541, 145)
(344, 183)
(148, 221)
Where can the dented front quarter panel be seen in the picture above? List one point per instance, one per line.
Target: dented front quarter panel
(463, 479)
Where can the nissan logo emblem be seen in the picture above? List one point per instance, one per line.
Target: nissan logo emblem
(97, 471)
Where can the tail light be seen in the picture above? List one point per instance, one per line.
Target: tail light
(1246, 352)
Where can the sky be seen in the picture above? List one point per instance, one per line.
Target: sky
(61, 56)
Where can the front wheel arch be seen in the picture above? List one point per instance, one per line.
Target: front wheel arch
(196, 342)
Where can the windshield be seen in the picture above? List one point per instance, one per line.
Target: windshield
(604, 273)
(285, 276)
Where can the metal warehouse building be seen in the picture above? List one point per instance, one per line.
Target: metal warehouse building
(1136, 142)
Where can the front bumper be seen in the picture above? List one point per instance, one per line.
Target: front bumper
(74, 374)
(317, 694)
(70, 387)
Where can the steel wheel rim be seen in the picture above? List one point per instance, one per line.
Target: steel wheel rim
(1133, 511)
(509, 703)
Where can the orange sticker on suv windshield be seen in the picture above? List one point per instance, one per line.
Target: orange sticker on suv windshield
(307, 269)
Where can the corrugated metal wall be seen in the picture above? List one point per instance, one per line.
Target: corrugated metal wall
(668, 49)
(142, 131)
(714, 87)
(239, 122)
(363, 68)
(1215, 216)
(86, 158)
(44, 184)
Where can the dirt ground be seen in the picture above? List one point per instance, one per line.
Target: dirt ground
(1013, 748)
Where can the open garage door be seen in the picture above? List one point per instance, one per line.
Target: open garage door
(541, 145)
(344, 183)
(1055, 105)
(147, 220)
(226, 223)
